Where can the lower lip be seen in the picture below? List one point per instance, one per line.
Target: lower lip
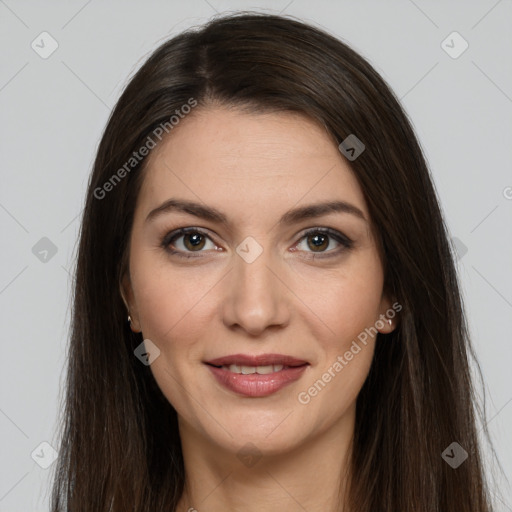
(254, 384)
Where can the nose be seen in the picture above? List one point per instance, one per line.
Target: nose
(256, 296)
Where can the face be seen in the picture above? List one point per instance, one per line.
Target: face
(254, 274)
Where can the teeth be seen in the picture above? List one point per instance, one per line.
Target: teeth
(247, 370)
(262, 370)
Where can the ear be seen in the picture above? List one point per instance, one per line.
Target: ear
(388, 318)
(126, 290)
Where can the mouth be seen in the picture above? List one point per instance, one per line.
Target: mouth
(260, 370)
(261, 364)
(256, 376)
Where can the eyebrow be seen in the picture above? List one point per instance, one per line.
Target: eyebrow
(290, 217)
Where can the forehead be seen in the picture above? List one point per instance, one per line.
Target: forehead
(226, 157)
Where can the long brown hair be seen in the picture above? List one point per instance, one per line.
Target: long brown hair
(120, 446)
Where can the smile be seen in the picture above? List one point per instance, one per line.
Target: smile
(256, 381)
(248, 370)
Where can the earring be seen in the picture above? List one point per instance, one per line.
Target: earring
(129, 319)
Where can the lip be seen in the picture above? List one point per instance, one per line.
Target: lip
(255, 385)
(257, 360)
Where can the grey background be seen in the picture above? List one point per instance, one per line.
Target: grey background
(53, 113)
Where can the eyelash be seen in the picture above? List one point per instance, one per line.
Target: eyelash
(345, 242)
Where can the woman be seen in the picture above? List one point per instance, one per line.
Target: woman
(261, 212)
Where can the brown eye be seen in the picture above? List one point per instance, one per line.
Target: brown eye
(194, 241)
(185, 241)
(318, 242)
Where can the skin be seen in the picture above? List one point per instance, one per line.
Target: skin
(254, 168)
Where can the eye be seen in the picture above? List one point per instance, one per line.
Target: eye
(194, 240)
(318, 240)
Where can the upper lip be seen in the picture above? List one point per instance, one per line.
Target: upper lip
(259, 360)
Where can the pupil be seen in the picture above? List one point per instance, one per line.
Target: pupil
(194, 240)
(318, 240)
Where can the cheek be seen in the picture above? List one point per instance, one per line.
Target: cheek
(349, 308)
(345, 313)
(344, 302)
(166, 314)
(172, 303)
(176, 302)
(173, 310)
